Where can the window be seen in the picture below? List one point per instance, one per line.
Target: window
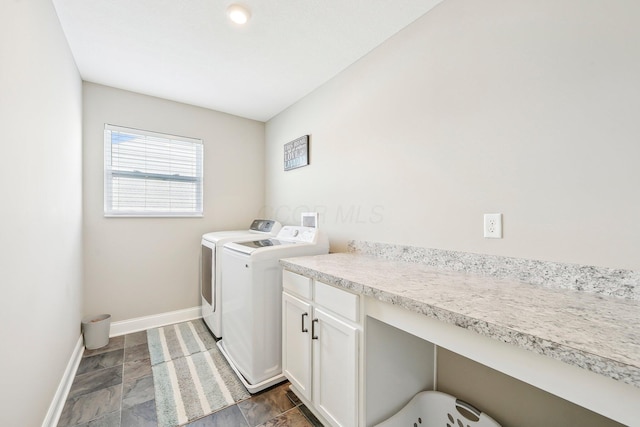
(151, 174)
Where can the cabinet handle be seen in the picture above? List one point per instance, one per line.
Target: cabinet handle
(302, 318)
(313, 329)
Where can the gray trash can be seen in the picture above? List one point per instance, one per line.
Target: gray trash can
(96, 331)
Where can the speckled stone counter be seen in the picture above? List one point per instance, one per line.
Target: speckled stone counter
(589, 330)
(605, 281)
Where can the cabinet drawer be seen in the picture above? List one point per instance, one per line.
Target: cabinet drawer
(296, 284)
(337, 300)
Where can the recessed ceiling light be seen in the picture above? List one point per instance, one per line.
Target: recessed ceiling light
(238, 14)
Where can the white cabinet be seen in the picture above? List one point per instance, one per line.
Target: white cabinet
(321, 347)
(335, 369)
(296, 344)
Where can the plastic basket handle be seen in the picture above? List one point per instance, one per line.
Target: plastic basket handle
(467, 410)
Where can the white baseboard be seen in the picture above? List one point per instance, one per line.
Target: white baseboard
(137, 324)
(59, 399)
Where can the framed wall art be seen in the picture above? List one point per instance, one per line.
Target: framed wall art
(296, 153)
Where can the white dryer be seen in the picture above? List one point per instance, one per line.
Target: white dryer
(211, 266)
(252, 302)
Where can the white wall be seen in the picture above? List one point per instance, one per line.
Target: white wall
(510, 401)
(527, 108)
(143, 266)
(41, 215)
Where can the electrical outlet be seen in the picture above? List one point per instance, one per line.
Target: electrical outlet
(493, 226)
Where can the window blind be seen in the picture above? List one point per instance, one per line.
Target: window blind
(151, 174)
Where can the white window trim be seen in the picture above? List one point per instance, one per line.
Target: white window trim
(108, 173)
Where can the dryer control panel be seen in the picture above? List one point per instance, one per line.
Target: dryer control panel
(263, 225)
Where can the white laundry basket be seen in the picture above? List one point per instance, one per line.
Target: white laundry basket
(436, 409)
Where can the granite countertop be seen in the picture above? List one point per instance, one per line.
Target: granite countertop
(595, 332)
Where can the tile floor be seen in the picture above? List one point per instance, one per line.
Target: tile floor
(114, 387)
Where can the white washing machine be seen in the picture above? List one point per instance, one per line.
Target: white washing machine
(211, 268)
(252, 308)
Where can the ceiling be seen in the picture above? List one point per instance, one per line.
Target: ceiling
(188, 51)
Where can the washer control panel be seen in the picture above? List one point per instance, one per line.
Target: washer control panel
(298, 233)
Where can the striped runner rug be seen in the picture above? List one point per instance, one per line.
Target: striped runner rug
(191, 377)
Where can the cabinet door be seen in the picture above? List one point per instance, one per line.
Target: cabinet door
(335, 369)
(296, 343)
